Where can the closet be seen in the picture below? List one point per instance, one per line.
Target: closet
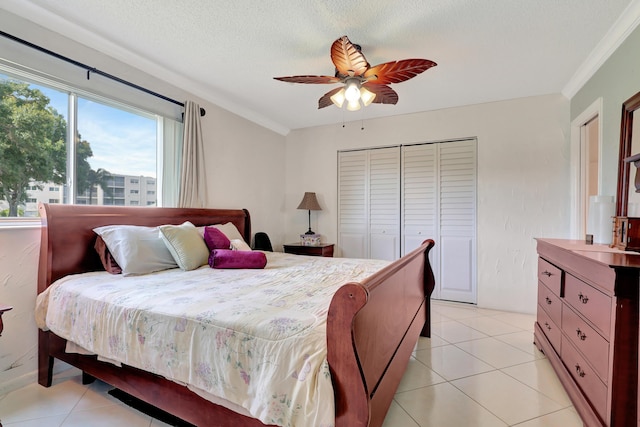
(391, 199)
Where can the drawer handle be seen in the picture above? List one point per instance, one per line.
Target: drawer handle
(581, 334)
(548, 300)
(547, 273)
(580, 372)
(583, 298)
(547, 326)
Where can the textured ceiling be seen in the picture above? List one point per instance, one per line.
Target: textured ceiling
(229, 51)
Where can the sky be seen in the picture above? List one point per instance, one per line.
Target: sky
(122, 142)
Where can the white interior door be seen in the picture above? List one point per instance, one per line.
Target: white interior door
(369, 203)
(457, 212)
(392, 199)
(439, 202)
(353, 215)
(384, 203)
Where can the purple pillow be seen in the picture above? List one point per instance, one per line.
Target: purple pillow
(216, 239)
(226, 258)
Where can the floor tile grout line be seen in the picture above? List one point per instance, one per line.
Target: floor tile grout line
(478, 403)
(541, 392)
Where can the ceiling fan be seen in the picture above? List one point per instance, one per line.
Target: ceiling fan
(362, 83)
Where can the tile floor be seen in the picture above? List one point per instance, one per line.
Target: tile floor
(480, 368)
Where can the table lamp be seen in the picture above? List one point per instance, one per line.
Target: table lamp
(309, 202)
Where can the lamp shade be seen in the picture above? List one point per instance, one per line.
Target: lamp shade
(309, 202)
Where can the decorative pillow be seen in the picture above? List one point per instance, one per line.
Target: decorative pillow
(136, 249)
(108, 262)
(226, 258)
(239, 245)
(229, 230)
(185, 244)
(216, 239)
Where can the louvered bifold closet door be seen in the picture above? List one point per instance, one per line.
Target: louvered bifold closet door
(353, 218)
(369, 203)
(384, 203)
(457, 213)
(419, 195)
(420, 201)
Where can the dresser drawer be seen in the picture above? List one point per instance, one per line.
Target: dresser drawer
(551, 276)
(590, 343)
(550, 328)
(585, 377)
(550, 302)
(590, 303)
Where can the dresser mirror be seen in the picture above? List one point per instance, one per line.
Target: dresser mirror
(626, 223)
(626, 196)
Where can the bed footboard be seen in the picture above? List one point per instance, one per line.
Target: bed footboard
(372, 328)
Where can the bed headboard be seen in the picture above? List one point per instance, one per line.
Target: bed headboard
(68, 237)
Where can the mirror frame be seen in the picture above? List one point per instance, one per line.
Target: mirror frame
(624, 168)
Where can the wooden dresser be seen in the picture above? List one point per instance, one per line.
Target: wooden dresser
(587, 325)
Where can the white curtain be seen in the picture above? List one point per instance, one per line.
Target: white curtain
(192, 173)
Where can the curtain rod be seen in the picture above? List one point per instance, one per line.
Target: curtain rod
(93, 70)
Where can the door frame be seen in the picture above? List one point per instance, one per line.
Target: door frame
(577, 168)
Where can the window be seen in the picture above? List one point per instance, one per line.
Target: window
(113, 144)
(133, 203)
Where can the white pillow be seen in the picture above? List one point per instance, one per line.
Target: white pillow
(229, 230)
(136, 249)
(185, 244)
(239, 245)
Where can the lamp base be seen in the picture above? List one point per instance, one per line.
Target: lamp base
(310, 232)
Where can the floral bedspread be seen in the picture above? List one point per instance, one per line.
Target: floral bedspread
(253, 337)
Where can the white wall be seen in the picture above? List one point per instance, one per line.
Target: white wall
(523, 181)
(19, 250)
(617, 80)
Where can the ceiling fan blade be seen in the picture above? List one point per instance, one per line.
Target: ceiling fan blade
(397, 71)
(325, 101)
(309, 79)
(349, 61)
(384, 94)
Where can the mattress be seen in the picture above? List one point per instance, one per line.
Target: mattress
(255, 338)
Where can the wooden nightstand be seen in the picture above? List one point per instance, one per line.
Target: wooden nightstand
(323, 249)
(3, 308)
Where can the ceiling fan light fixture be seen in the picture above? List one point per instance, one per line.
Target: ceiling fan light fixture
(366, 96)
(338, 98)
(353, 71)
(353, 105)
(352, 89)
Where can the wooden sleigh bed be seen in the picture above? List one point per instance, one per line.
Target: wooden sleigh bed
(372, 325)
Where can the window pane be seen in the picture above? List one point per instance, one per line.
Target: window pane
(33, 120)
(115, 155)
(115, 149)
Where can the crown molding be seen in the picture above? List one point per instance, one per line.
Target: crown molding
(619, 31)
